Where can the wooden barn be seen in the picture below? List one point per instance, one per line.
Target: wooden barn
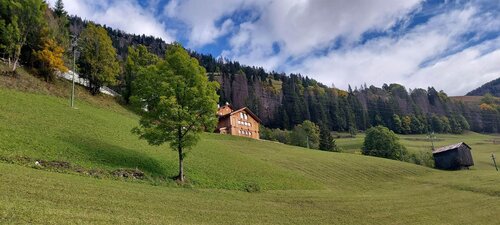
(241, 122)
(453, 157)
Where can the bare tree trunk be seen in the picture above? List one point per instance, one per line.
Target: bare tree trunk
(17, 54)
(181, 156)
(14, 67)
(181, 165)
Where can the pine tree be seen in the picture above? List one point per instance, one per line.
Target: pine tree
(59, 9)
(326, 141)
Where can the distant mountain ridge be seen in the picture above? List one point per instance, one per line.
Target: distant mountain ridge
(492, 87)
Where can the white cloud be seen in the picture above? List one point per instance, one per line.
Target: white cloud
(416, 58)
(434, 53)
(125, 15)
(300, 27)
(464, 71)
(201, 17)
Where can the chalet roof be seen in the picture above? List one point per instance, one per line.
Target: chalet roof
(228, 105)
(247, 110)
(449, 147)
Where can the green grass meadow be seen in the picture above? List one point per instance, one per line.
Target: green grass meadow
(298, 186)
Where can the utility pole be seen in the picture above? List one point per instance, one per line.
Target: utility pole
(307, 138)
(73, 44)
(494, 162)
(431, 137)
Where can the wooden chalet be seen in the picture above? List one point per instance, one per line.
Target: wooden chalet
(453, 157)
(241, 122)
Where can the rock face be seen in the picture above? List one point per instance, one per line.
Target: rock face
(261, 97)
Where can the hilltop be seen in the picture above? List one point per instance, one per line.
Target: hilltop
(492, 87)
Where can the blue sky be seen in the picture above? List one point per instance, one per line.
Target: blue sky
(451, 45)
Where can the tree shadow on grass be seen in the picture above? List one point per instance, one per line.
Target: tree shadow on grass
(110, 155)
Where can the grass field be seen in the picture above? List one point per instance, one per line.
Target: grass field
(482, 145)
(299, 186)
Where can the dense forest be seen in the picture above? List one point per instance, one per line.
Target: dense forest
(286, 100)
(280, 100)
(492, 87)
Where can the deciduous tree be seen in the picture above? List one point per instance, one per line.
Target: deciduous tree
(97, 61)
(178, 102)
(138, 57)
(50, 59)
(382, 142)
(22, 19)
(306, 135)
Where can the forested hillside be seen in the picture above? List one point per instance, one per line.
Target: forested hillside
(492, 87)
(283, 101)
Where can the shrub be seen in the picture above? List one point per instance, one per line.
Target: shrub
(421, 158)
(252, 187)
(382, 142)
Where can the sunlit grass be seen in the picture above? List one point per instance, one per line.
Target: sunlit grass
(299, 186)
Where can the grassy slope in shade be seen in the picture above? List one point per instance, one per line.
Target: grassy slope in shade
(301, 186)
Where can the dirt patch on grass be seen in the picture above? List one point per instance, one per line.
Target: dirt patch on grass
(67, 167)
(9, 74)
(129, 173)
(53, 164)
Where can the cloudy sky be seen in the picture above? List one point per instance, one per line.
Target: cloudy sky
(453, 45)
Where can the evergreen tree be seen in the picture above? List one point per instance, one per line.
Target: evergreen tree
(326, 141)
(59, 9)
(397, 127)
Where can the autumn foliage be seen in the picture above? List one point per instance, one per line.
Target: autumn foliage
(50, 59)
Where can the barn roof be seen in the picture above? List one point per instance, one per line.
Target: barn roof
(449, 147)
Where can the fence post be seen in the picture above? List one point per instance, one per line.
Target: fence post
(494, 162)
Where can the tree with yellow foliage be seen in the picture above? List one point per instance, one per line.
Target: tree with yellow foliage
(50, 60)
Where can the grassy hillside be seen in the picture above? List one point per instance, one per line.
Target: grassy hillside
(300, 186)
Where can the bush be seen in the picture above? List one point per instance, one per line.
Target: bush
(305, 134)
(252, 187)
(421, 158)
(382, 142)
(279, 135)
